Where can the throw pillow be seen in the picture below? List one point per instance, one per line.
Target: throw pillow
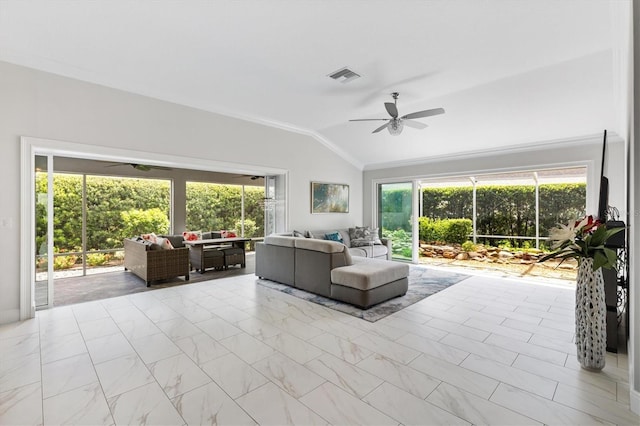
(192, 235)
(164, 243)
(299, 234)
(375, 236)
(150, 237)
(362, 236)
(228, 234)
(333, 236)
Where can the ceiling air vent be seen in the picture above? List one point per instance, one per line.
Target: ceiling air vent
(344, 75)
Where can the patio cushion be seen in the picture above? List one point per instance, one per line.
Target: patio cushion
(192, 235)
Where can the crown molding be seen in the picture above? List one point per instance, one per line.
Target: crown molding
(295, 129)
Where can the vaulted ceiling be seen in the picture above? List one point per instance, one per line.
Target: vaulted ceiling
(507, 72)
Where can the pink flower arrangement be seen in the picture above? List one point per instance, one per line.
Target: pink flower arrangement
(585, 238)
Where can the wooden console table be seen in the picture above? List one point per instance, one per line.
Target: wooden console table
(198, 250)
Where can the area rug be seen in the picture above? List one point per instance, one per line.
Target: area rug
(423, 282)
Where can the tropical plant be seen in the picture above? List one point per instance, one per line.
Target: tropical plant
(583, 238)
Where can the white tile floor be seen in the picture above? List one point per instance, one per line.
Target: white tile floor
(485, 351)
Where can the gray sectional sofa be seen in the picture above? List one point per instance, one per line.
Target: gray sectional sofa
(378, 251)
(328, 268)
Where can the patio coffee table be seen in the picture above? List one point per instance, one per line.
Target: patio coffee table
(202, 255)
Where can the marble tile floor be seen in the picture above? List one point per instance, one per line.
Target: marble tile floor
(485, 351)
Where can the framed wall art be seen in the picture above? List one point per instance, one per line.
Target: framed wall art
(329, 197)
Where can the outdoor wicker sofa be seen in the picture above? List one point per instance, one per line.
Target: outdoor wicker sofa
(152, 265)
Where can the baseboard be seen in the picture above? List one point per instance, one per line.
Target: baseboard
(10, 315)
(634, 401)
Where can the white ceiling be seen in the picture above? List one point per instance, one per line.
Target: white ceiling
(507, 72)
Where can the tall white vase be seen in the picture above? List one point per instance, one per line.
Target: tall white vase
(591, 329)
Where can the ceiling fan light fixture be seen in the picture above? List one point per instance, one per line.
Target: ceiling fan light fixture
(395, 126)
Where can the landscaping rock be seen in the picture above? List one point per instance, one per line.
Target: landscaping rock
(505, 255)
(449, 255)
(462, 256)
(473, 255)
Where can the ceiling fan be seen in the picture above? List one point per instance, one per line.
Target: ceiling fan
(141, 167)
(256, 177)
(395, 124)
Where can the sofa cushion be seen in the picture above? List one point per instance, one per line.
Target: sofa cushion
(214, 252)
(299, 234)
(366, 251)
(323, 246)
(366, 274)
(280, 240)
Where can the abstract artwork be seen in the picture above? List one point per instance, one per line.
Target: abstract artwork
(329, 198)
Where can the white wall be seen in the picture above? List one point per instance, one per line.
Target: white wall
(42, 105)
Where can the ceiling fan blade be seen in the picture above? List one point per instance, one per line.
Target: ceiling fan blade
(414, 124)
(147, 167)
(391, 109)
(370, 119)
(425, 113)
(140, 167)
(384, 126)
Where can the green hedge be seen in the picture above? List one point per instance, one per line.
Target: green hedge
(213, 206)
(507, 210)
(444, 230)
(118, 208)
(501, 209)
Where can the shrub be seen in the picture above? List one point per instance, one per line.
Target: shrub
(136, 222)
(406, 252)
(401, 241)
(456, 230)
(505, 244)
(469, 246)
(64, 261)
(427, 229)
(250, 227)
(446, 230)
(97, 259)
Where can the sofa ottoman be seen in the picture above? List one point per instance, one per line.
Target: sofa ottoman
(369, 281)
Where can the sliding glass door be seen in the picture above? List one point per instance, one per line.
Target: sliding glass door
(43, 261)
(396, 205)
